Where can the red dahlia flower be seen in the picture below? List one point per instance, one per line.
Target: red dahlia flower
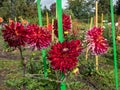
(49, 27)
(38, 37)
(63, 56)
(66, 21)
(14, 34)
(1, 19)
(96, 42)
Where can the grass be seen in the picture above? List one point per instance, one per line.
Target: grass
(9, 69)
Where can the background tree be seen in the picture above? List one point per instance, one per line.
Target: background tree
(15, 8)
(25, 9)
(69, 12)
(5, 7)
(104, 6)
(82, 9)
(117, 7)
(53, 9)
(44, 10)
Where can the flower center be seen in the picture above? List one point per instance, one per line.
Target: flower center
(100, 38)
(16, 32)
(65, 49)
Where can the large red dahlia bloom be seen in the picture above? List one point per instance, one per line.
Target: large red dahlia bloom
(38, 37)
(96, 42)
(63, 56)
(14, 34)
(66, 21)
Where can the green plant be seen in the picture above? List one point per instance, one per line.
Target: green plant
(87, 69)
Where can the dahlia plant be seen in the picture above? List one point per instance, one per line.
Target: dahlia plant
(63, 56)
(18, 36)
(15, 35)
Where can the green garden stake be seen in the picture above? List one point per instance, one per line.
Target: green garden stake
(44, 62)
(114, 46)
(43, 50)
(39, 12)
(63, 86)
(59, 16)
(60, 34)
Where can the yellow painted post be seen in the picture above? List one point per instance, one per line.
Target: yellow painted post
(91, 22)
(47, 19)
(96, 13)
(96, 57)
(52, 31)
(102, 19)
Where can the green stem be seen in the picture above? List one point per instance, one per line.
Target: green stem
(114, 46)
(23, 61)
(21, 54)
(24, 66)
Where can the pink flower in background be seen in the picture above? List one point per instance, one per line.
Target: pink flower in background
(63, 56)
(38, 37)
(66, 21)
(96, 42)
(14, 34)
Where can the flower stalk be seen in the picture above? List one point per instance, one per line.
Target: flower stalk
(24, 66)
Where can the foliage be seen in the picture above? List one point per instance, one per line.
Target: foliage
(5, 8)
(79, 8)
(88, 68)
(44, 10)
(104, 6)
(108, 33)
(117, 7)
(69, 12)
(53, 9)
(88, 78)
(16, 8)
(34, 79)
